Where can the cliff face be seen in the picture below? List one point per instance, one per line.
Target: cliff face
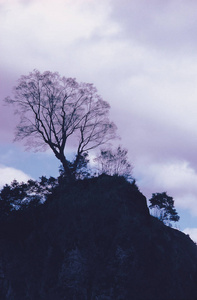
(95, 240)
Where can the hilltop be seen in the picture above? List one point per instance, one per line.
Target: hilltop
(92, 240)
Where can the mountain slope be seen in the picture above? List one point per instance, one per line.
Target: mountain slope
(95, 239)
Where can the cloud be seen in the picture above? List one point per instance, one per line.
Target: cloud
(192, 232)
(7, 175)
(168, 26)
(177, 178)
(49, 33)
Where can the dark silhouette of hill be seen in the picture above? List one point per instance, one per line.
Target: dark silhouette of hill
(93, 240)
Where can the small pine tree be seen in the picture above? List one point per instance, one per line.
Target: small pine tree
(164, 209)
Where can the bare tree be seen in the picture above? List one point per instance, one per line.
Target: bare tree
(54, 110)
(114, 162)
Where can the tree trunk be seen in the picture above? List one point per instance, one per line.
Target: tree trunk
(68, 172)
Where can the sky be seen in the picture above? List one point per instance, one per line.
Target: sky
(142, 57)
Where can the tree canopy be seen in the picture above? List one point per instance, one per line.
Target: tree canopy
(164, 208)
(56, 111)
(18, 196)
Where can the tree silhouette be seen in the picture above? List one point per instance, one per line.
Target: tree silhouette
(18, 196)
(114, 162)
(81, 171)
(164, 208)
(56, 112)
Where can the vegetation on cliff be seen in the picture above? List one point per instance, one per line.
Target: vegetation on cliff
(94, 239)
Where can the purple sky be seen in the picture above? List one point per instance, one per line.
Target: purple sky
(142, 57)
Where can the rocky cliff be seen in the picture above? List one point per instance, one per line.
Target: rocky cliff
(95, 239)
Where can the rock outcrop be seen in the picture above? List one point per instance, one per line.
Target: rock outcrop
(95, 239)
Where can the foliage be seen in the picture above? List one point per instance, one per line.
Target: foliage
(164, 208)
(114, 162)
(55, 110)
(18, 196)
(82, 170)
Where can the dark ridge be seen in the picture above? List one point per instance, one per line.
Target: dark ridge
(93, 240)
